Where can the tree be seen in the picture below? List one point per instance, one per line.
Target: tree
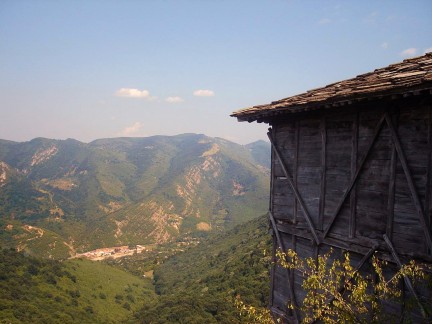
(252, 313)
(336, 292)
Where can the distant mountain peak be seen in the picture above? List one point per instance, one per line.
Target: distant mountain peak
(129, 190)
(43, 155)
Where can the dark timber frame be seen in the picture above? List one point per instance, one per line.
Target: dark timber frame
(352, 171)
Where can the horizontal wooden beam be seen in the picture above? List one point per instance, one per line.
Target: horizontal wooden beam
(358, 245)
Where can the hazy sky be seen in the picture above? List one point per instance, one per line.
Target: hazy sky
(99, 68)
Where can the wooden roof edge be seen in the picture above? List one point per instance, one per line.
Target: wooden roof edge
(321, 97)
(252, 114)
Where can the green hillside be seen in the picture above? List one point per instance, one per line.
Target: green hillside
(77, 291)
(199, 285)
(62, 197)
(195, 286)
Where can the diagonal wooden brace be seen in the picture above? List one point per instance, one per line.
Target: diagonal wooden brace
(406, 279)
(355, 176)
(295, 190)
(414, 194)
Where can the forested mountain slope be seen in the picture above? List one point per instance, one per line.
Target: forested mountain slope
(195, 286)
(75, 291)
(59, 197)
(200, 285)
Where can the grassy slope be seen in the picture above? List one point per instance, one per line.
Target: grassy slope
(194, 286)
(200, 284)
(76, 291)
(108, 290)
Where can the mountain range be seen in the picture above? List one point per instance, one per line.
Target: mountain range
(61, 197)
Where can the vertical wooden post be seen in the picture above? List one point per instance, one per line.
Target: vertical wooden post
(323, 128)
(428, 199)
(295, 178)
(392, 186)
(272, 168)
(295, 167)
(353, 194)
(391, 194)
(273, 265)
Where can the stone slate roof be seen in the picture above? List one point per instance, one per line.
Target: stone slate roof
(409, 77)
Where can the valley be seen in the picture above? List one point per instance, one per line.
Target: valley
(172, 283)
(141, 230)
(126, 191)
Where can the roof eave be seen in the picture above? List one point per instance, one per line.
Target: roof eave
(264, 113)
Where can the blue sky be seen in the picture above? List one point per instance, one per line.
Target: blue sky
(100, 68)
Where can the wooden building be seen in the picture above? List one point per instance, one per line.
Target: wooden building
(352, 171)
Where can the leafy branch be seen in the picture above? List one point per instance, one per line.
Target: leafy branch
(336, 291)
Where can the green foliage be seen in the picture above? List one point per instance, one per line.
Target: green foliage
(336, 292)
(63, 197)
(46, 291)
(254, 314)
(99, 194)
(33, 290)
(196, 286)
(200, 285)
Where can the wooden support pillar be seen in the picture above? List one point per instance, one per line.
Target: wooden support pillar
(275, 242)
(428, 199)
(295, 178)
(272, 168)
(323, 129)
(392, 187)
(295, 167)
(353, 194)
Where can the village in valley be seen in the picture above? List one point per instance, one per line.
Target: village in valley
(112, 252)
(116, 252)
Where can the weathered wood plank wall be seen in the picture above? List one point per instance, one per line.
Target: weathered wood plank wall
(350, 169)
